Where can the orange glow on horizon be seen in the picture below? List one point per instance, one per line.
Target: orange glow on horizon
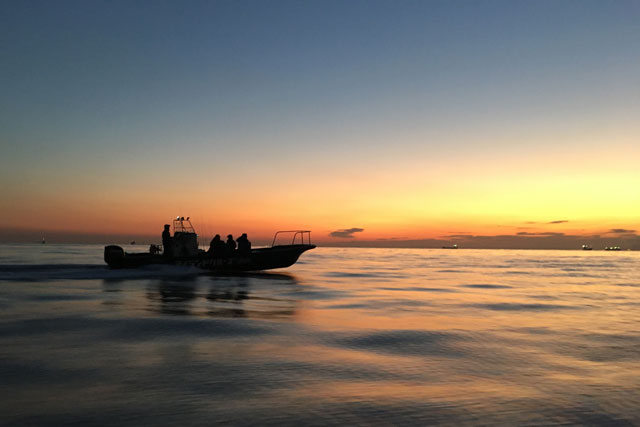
(417, 199)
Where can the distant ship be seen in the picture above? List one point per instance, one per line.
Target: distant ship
(586, 248)
(186, 252)
(450, 247)
(43, 241)
(612, 248)
(133, 242)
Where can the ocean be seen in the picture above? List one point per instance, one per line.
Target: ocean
(344, 337)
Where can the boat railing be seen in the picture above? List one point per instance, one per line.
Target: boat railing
(300, 236)
(182, 225)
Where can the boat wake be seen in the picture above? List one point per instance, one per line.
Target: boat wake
(39, 272)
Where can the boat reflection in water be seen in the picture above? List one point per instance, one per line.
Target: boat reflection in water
(258, 295)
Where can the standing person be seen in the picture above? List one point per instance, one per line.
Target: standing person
(167, 241)
(231, 245)
(244, 245)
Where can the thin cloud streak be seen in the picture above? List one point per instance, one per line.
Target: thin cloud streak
(557, 221)
(547, 233)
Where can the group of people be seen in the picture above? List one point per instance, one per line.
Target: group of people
(217, 248)
(241, 247)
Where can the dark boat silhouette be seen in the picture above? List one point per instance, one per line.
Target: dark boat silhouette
(450, 247)
(586, 248)
(186, 253)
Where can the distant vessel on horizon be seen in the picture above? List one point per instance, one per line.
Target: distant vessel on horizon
(586, 248)
(450, 247)
(612, 248)
(43, 241)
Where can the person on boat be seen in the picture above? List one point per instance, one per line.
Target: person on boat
(217, 247)
(244, 245)
(231, 245)
(167, 241)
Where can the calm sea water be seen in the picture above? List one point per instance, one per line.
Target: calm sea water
(345, 336)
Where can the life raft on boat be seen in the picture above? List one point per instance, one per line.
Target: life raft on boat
(187, 253)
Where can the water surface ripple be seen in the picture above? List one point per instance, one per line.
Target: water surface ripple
(347, 336)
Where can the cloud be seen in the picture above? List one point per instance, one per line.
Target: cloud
(621, 230)
(558, 221)
(546, 233)
(346, 233)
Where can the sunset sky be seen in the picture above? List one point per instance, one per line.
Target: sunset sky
(363, 121)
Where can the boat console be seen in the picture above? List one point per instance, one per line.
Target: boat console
(185, 239)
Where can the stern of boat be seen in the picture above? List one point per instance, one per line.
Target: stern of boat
(114, 256)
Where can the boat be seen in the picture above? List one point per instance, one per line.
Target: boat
(187, 253)
(612, 248)
(450, 247)
(586, 248)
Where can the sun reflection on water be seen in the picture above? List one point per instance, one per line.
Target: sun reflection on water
(347, 336)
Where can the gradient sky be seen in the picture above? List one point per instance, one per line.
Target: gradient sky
(408, 120)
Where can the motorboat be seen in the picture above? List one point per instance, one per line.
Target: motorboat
(186, 252)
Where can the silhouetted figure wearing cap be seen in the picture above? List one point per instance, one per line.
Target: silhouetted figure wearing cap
(167, 241)
(244, 245)
(231, 245)
(217, 247)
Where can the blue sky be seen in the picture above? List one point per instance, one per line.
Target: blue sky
(216, 66)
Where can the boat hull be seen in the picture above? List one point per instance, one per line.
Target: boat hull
(259, 259)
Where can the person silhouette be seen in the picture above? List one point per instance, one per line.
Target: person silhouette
(217, 247)
(244, 245)
(231, 245)
(167, 241)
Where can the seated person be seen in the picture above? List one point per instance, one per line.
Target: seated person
(217, 247)
(231, 246)
(244, 245)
